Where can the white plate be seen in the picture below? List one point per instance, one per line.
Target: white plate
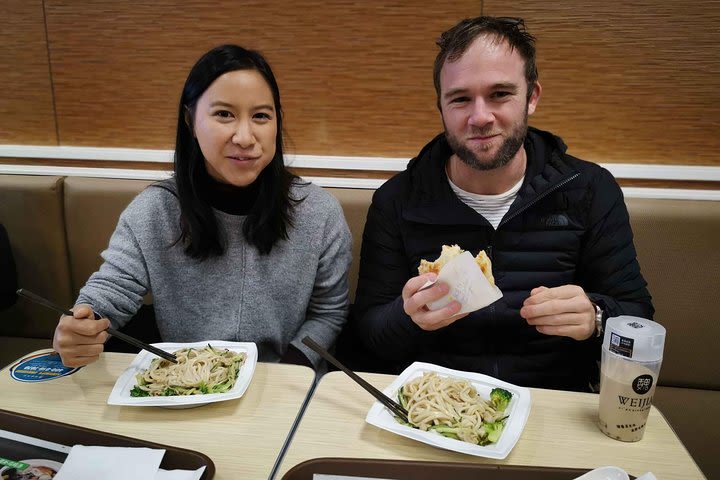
(605, 473)
(517, 412)
(120, 394)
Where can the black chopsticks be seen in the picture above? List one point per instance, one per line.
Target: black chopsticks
(125, 338)
(393, 406)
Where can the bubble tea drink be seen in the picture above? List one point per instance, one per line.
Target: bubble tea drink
(631, 356)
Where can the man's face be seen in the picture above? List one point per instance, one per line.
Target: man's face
(484, 103)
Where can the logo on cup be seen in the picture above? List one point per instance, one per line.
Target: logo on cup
(642, 384)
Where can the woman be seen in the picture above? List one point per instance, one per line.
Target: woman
(233, 247)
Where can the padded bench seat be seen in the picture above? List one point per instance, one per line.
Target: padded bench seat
(31, 209)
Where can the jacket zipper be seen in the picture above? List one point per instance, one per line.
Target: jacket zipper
(496, 367)
(548, 192)
(489, 252)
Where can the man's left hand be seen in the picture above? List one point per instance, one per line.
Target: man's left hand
(565, 311)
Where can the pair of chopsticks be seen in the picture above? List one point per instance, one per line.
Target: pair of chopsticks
(125, 338)
(390, 404)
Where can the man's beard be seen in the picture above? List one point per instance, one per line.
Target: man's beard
(505, 153)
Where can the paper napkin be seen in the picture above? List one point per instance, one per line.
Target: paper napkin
(110, 463)
(119, 463)
(468, 285)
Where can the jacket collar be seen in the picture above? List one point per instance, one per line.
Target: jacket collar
(433, 201)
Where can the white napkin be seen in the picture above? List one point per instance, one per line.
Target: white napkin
(468, 285)
(605, 473)
(110, 463)
(119, 463)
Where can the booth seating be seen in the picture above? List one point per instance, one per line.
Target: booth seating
(59, 225)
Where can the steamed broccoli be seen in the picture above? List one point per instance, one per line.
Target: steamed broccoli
(493, 431)
(500, 399)
(138, 392)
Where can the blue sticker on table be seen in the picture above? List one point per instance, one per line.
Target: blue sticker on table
(40, 367)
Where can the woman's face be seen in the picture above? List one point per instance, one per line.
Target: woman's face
(235, 124)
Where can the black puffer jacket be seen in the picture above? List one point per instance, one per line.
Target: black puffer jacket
(568, 225)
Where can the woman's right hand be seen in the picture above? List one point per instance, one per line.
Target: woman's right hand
(80, 339)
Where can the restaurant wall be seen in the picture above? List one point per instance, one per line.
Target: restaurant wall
(623, 81)
(27, 113)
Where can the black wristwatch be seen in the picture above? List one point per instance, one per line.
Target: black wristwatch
(598, 320)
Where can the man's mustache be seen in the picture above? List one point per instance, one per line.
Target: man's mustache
(481, 132)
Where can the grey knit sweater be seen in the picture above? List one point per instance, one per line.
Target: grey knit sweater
(300, 288)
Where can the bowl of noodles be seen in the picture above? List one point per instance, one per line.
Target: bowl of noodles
(206, 372)
(465, 412)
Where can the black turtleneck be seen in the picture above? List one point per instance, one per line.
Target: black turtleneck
(229, 198)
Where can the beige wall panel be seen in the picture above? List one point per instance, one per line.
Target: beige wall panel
(355, 77)
(26, 105)
(628, 81)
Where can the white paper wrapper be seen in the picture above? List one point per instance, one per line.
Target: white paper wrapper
(468, 285)
(120, 463)
(111, 463)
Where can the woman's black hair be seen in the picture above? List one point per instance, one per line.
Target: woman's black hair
(272, 212)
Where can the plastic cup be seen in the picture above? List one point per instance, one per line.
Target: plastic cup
(632, 354)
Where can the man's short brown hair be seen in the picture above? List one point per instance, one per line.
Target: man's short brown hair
(454, 43)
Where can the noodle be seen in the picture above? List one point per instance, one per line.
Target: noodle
(451, 407)
(197, 371)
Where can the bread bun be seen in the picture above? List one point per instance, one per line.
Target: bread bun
(450, 252)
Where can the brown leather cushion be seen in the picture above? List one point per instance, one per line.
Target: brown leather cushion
(92, 209)
(355, 203)
(678, 245)
(695, 417)
(32, 211)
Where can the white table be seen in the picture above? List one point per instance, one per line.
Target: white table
(561, 431)
(243, 437)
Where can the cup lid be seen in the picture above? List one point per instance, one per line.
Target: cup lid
(634, 337)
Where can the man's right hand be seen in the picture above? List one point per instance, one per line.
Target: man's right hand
(80, 339)
(415, 301)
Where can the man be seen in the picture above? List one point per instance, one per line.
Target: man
(555, 227)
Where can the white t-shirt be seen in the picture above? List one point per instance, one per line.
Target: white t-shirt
(492, 207)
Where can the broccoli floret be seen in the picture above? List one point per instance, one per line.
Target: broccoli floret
(493, 432)
(500, 398)
(138, 392)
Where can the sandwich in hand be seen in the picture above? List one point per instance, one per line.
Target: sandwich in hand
(450, 252)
